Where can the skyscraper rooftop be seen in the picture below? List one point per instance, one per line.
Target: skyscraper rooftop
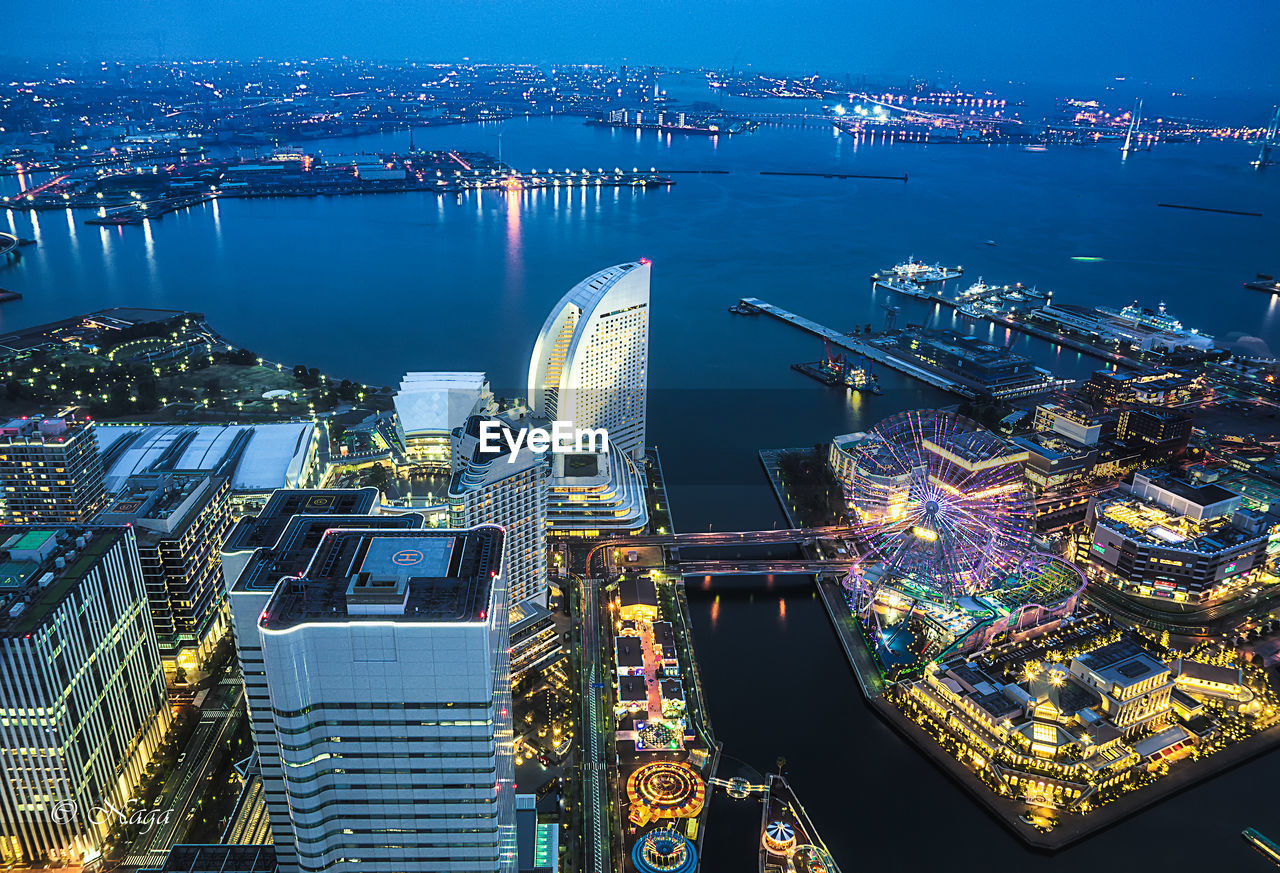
(392, 575)
(40, 565)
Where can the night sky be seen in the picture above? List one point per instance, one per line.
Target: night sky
(1176, 44)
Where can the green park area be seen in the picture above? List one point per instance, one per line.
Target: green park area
(161, 371)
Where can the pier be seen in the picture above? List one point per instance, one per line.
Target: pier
(1210, 209)
(112, 208)
(136, 214)
(844, 341)
(788, 839)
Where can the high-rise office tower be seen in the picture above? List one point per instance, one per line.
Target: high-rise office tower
(82, 692)
(50, 470)
(389, 680)
(591, 359)
(179, 520)
(508, 489)
(256, 555)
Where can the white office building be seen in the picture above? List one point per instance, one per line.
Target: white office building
(261, 550)
(591, 359)
(389, 677)
(508, 489)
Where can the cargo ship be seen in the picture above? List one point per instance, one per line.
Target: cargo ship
(1264, 846)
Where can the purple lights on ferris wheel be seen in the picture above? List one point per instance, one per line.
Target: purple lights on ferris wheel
(942, 508)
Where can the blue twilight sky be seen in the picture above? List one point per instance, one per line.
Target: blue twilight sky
(1180, 44)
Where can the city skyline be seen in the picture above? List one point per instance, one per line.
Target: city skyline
(997, 42)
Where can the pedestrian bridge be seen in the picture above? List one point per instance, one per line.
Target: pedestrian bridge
(766, 567)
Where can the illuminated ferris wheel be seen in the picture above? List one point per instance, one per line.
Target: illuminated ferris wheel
(943, 509)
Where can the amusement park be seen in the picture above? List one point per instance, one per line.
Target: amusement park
(946, 563)
(989, 655)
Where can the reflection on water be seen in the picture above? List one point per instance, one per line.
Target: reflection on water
(149, 253)
(73, 235)
(37, 230)
(514, 202)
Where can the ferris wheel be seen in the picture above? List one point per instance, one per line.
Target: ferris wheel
(943, 509)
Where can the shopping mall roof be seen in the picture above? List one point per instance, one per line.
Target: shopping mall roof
(1151, 524)
(259, 457)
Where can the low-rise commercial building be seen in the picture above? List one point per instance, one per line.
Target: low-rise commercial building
(256, 459)
(1053, 734)
(1170, 538)
(987, 369)
(1056, 462)
(637, 598)
(1109, 389)
(1078, 424)
(592, 494)
(1133, 686)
